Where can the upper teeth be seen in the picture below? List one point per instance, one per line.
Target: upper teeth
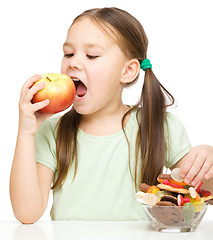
(75, 79)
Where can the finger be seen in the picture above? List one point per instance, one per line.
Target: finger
(188, 162)
(209, 173)
(39, 105)
(28, 84)
(205, 168)
(195, 169)
(33, 90)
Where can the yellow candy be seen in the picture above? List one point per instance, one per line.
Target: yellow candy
(155, 190)
(199, 205)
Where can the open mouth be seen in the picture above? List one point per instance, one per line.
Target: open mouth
(81, 89)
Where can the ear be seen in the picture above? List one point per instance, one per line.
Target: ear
(131, 71)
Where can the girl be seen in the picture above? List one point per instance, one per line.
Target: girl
(97, 153)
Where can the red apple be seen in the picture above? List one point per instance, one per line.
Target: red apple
(59, 89)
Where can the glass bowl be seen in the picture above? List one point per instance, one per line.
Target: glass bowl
(175, 218)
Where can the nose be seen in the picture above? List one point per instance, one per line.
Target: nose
(75, 62)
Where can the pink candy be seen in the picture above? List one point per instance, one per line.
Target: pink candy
(165, 181)
(186, 199)
(181, 200)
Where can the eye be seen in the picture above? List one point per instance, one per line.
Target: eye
(92, 56)
(68, 55)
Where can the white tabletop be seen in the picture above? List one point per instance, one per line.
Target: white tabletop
(77, 230)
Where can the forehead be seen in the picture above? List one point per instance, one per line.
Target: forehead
(85, 29)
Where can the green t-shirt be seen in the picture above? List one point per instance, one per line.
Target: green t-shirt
(103, 188)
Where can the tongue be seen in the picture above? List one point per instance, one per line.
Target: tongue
(81, 90)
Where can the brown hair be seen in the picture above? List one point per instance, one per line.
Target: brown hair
(150, 143)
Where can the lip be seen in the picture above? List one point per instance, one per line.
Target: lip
(74, 77)
(78, 99)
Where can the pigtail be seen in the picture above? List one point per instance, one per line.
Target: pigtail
(66, 145)
(150, 139)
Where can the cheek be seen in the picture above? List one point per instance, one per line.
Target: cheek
(104, 83)
(63, 66)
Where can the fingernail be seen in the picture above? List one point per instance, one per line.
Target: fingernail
(206, 176)
(193, 183)
(182, 175)
(187, 181)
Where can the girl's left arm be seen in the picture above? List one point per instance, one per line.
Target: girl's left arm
(197, 166)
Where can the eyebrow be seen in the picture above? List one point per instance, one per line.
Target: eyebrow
(88, 45)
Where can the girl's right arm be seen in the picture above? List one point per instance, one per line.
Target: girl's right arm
(30, 182)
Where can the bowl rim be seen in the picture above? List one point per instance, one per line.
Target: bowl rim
(197, 205)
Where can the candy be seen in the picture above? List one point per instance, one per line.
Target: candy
(175, 174)
(175, 185)
(139, 197)
(197, 187)
(198, 198)
(178, 193)
(150, 199)
(199, 205)
(149, 190)
(205, 193)
(139, 194)
(172, 184)
(152, 189)
(192, 192)
(169, 198)
(140, 200)
(172, 189)
(160, 194)
(186, 199)
(165, 181)
(155, 190)
(188, 211)
(180, 200)
(170, 215)
(144, 187)
(164, 176)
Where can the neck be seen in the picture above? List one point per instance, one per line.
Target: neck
(104, 123)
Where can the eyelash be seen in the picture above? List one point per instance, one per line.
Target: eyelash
(92, 57)
(68, 55)
(89, 56)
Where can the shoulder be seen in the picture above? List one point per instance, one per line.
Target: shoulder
(136, 112)
(171, 116)
(49, 126)
(52, 122)
(173, 122)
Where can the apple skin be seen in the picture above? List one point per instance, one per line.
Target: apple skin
(59, 89)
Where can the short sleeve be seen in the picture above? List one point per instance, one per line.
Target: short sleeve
(45, 144)
(177, 141)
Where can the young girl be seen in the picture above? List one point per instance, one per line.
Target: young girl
(97, 153)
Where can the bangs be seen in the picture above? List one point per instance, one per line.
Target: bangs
(110, 32)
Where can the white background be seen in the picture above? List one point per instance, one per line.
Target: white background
(180, 48)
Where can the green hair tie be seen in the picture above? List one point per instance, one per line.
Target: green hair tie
(145, 64)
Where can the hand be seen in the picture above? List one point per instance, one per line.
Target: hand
(197, 165)
(30, 119)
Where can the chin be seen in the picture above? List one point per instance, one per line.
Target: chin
(82, 110)
(85, 109)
